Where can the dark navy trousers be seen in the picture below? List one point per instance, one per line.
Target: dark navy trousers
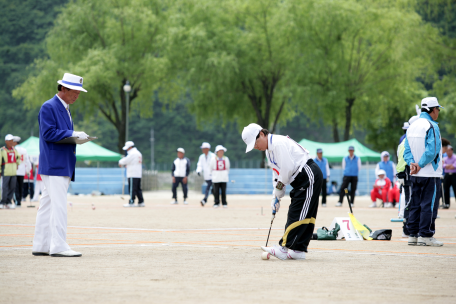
(424, 205)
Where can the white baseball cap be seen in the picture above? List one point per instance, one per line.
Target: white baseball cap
(205, 145)
(430, 102)
(380, 172)
(181, 150)
(405, 126)
(72, 82)
(128, 145)
(16, 139)
(385, 153)
(220, 147)
(9, 137)
(249, 135)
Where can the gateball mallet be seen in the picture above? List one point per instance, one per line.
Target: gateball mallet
(349, 202)
(266, 255)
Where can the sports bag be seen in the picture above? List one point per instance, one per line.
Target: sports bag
(323, 234)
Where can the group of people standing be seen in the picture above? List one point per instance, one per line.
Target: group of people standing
(214, 167)
(17, 172)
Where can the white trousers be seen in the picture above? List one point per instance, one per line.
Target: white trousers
(39, 186)
(51, 220)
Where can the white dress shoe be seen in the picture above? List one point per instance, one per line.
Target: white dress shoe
(141, 205)
(174, 202)
(67, 253)
(278, 251)
(129, 205)
(339, 204)
(296, 255)
(185, 202)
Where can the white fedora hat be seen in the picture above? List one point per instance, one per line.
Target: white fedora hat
(72, 82)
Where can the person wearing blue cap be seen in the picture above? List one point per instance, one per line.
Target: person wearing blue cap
(324, 167)
(423, 153)
(351, 165)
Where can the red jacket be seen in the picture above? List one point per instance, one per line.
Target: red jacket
(386, 186)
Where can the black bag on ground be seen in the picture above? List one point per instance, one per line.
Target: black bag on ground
(381, 235)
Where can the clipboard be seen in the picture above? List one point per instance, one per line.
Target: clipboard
(75, 140)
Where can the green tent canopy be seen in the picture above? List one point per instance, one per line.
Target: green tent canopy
(334, 152)
(88, 151)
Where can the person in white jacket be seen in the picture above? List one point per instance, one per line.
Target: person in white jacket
(204, 166)
(220, 165)
(25, 166)
(133, 162)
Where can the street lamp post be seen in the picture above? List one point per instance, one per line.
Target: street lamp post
(127, 89)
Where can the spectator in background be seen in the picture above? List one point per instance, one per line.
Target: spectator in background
(220, 166)
(204, 166)
(133, 162)
(29, 186)
(351, 165)
(24, 167)
(424, 156)
(180, 172)
(10, 160)
(394, 195)
(404, 127)
(449, 165)
(39, 185)
(388, 166)
(324, 167)
(381, 188)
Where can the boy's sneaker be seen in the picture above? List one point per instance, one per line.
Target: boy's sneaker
(216, 205)
(2, 206)
(185, 202)
(412, 240)
(278, 251)
(428, 241)
(129, 205)
(296, 255)
(373, 205)
(339, 204)
(174, 202)
(323, 205)
(203, 202)
(141, 204)
(11, 206)
(225, 206)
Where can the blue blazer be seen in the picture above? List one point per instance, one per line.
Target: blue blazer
(55, 125)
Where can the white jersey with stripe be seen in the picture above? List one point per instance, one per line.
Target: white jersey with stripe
(286, 158)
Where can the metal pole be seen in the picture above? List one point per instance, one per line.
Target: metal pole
(368, 181)
(98, 176)
(126, 119)
(152, 148)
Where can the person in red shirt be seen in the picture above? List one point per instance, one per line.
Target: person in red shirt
(381, 189)
(394, 195)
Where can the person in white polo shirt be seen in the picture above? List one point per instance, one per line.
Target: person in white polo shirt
(220, 166)
(133, 162)
(204, 166)
(24, 167)
(180, 172)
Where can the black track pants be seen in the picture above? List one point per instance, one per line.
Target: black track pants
(134, 184)
(353, 181)
(303, 208)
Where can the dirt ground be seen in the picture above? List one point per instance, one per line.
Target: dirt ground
(189, 254)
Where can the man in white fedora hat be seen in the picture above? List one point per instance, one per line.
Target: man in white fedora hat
(57, 167)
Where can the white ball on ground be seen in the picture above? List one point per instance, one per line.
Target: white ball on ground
(265, 256)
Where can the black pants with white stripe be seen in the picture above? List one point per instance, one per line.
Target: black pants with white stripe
(134, 184)
(303, 208)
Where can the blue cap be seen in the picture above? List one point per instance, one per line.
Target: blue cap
(319, 150)
(351, 148)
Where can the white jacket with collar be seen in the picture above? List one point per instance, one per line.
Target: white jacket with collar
(25, 165)
(220, 169)
(133, 161)
(286, 158)
(204, 165)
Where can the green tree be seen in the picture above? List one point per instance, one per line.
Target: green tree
(23, 26)
(107, 43)
(230, 58)
(359, 59)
